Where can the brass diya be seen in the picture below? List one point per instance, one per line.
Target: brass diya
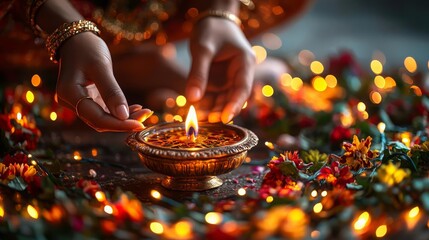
(192, 165)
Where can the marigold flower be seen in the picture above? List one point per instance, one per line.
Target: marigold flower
(391, 174)
(336, 175)
(358, 154)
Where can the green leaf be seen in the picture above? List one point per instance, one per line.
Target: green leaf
(18, 184)
(353, 186)
(425, 201)
(288, 168)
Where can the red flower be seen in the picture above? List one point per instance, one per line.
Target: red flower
(26, 136)
(16, 158)
(339, 134)
(336, 175)
(358, 154)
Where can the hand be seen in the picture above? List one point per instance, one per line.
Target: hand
(86, 71)
(222, 69)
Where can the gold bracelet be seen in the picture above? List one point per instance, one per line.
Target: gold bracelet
(64, 32)
(32, 12)
(219, 13)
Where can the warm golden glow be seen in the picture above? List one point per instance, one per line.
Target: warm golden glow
(416, 90)
(170, 102)
(260, 52)
(375, 97)
(183, 228)
(77, 156)
(241, 191)
(318, 208)
(156, 227)
(269, 199)
(270, 145)
(296, 83)
(319, 84)
(191, 124)
(155, 194)
(180, 100)
(414, 212)
(390, 82)
(267, 91)
(168, 117)
(32, 212)
(108, 209)
(213, 218)
(314, 193)
(1, 211)
(362, 221)
(410, 64)
(376, 66)
(365, 115)
(94, 152)
(244, 105)
(29, 96)
(324, 193)
(379, 81)
(406, 138)
(316, 67)
(100, 196)
(53, 116)
(331, 81)
(381, 127)
(381, 231)
(361, 107)
(177, 118)
(36, 80)
(285, 79)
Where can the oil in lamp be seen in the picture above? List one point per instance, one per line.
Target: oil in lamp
(192, 155)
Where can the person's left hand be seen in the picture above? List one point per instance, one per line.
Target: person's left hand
(222, 71)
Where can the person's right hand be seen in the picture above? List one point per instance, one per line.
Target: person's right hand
(85, 60)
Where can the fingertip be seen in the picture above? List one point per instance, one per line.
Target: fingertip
(193, 93)
(226, 118)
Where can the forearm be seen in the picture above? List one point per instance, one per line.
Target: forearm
(53, 13)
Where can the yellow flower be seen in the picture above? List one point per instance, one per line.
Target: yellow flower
(358, 154)
(391, 174)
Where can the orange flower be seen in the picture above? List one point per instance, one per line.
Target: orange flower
(6, 173)
(358, 154)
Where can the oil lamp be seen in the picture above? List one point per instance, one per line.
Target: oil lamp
(192, 155)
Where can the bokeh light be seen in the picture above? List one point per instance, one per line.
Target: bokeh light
(36, 80)
(267, 91)
(260, 52)
(181, 100)
(379, 81)
(316, 67)
(410, 64)
(376, 66)
(331, 81)
(319, 84)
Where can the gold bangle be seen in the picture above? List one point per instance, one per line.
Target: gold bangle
(66, 31)
(220, 14)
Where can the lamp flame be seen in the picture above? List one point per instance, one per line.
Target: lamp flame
(191, 124)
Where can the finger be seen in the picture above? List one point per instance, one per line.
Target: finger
(216, 112)
(93, 115)
(111, 92)
(134, 108)
(198, 75)
(243, 81)
(141, 115)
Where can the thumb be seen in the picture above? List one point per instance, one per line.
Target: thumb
(198, 76)
(112, 95)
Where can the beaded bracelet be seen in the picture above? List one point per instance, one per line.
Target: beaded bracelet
(64, 32)
(219, 13)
